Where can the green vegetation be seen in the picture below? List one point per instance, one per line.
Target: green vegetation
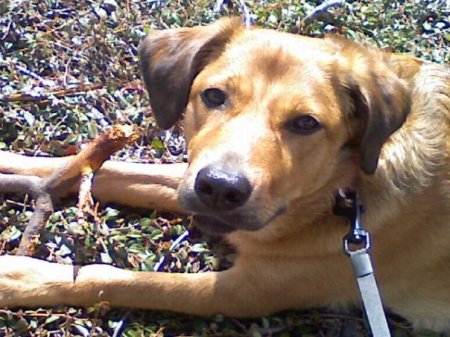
(68, 70)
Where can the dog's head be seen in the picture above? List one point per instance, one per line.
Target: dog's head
(270, 118)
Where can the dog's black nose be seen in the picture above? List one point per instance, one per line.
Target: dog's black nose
(222, 189)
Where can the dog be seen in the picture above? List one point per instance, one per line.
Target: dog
(276, 124)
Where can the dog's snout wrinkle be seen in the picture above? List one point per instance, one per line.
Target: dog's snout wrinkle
(222, 189)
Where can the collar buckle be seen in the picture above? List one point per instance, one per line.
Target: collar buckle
(350, 207)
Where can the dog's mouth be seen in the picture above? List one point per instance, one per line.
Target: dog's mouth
(211, 225)
(214, 225)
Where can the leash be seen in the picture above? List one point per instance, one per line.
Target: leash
(356, 246)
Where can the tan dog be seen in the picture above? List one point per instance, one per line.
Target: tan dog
(276, 124)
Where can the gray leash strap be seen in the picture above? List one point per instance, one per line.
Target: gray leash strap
(357, 245)
(368, 288)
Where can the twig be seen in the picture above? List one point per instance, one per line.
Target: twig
(23, 97)
(43, 81)
(30, 237)
(181, 238)
(82, 166)
(248, 16)
(323, 7)
(16, 183)
(44, 207)
(118, 329)
(82, 330)
(35, 313)
(84, 194)
(217, 6)
(173, 246)
(8, 28)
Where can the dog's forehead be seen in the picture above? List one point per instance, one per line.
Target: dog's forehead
(268, 50)
(265, 63)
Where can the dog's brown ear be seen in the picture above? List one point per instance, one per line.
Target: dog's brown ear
(382, 101)
(171, 59)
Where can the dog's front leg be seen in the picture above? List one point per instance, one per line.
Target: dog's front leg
(28, 282)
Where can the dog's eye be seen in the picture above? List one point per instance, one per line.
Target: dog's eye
(213, 97)
(303, 125)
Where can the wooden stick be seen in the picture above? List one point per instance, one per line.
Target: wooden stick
(141, 185)
(44, 207)
(85, 200)
(43, 190)
(92, 157)
(30, 237)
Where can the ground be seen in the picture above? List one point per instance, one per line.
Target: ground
(68, 71)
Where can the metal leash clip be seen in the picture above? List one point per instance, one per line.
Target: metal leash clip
(356, 245)
(348, 205)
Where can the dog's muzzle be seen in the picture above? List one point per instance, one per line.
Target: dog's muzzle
(219, 200)
(221, 189)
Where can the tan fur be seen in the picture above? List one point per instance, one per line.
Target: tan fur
(385, 133)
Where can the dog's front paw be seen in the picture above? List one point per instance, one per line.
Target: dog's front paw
(25, 281)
